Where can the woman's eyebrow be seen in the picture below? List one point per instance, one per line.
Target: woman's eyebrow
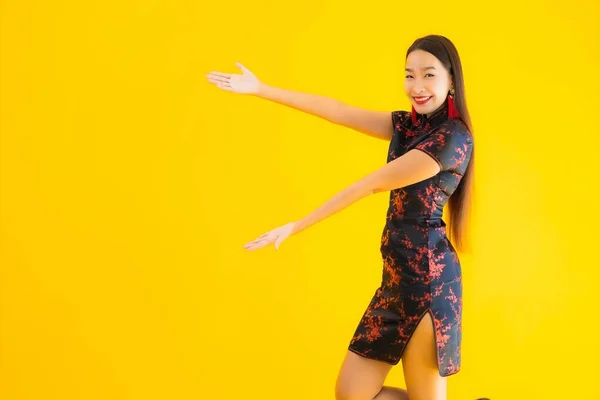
(422, 69)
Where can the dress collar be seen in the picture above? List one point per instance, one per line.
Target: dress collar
(434, 120)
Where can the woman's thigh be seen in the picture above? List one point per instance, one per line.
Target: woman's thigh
(360, 378)
(419, 362)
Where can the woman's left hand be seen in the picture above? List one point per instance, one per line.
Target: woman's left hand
(277, 236)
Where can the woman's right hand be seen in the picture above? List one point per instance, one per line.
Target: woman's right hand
(246, 83)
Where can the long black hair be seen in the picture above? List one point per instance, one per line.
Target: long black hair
(459, 203)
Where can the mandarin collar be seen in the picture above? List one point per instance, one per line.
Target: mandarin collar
(436, 119)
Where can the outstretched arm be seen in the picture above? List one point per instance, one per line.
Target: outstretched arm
(410, 168)
(377, 124)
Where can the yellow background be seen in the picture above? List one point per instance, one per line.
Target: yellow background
(129, 186)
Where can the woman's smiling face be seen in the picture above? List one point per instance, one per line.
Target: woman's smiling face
(427, 82)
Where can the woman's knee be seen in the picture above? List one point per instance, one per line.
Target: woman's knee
(360, 378)
(355, 391)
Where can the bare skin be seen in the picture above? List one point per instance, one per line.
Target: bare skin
(361, 378)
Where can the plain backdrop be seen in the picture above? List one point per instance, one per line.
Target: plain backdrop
(129, 185)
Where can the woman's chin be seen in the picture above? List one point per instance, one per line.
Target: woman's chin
(422, 108)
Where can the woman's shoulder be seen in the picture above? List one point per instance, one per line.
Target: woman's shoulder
(401, 119)
(455, 126)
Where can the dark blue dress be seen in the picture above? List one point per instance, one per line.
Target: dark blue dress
(421, 269)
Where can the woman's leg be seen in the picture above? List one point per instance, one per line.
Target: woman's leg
(360, 378)
(419, 363)
(392, 393)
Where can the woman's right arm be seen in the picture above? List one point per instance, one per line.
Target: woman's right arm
(377, 124)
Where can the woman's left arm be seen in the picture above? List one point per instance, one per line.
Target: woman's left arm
(410, 168)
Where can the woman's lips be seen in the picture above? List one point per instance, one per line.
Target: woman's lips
(422, 100)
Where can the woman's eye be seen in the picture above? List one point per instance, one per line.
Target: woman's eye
(429, 74)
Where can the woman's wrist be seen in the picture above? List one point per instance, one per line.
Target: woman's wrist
(262, 90)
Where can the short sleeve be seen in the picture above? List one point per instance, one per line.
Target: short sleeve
(450, 148)
(400, 123)
(400, 117)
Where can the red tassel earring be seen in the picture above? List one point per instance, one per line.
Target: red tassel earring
(414, 115)
(452, 111)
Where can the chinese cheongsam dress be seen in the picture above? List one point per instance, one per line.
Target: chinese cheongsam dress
(421, 269)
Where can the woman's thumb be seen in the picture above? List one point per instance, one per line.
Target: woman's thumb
(278, 242)
(240, 66)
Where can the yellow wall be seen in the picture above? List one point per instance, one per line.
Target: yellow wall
(129, 186)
